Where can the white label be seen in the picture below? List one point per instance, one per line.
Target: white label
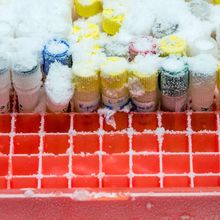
(115, 104)
(176, 104)
(145, 107)
(86, 106)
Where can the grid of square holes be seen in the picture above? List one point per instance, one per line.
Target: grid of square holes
(155, 150)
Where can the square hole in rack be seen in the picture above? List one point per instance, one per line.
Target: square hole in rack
(26, 144)
(27, 123)
(86, 122)
(204, 143)
(56, 144)
(115, 181)
(145, 142)
(86, 143)
(3, 183)
(207, 181)
(146, 181)
(146, 164)
(115, 143)
(4, 144)
(5, 123)
(204, 121)
(174, 121)
(121, 122)
(55, 165)
(3, 165)
(206, 163)
(85, 182)
(144, 121)
(24, 165)
(85, 165)
(57, 123)
(57, 182)
(23, 182)
(176, 164)
(175, 143)
(115, 164)
(176, 181)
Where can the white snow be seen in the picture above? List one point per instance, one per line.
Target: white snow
(58, 84)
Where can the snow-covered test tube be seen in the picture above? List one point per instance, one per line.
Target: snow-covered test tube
(143, 46)
(5, 85)
(174, 83)
(143, 83)
(87, 86)
(59, 89)
(114, 78)
(27, 81)
(172, 45)
(204, 45)
(203, 69)
(88, 8)
(56, 50)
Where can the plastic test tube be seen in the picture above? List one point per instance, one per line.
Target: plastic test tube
(172, 45)
(27, 83)
(88, 8)
(5, 86)
(143, 46)
(204, 45)
(113, 83)
(87, 87)
(56, 50)
(143, 86)
(58, 88)
(174, 84)
(202, 82)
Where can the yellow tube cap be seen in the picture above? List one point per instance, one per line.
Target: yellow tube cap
(111, 23)
(117, 78)
(92, 7)
(149, 82)
(172, 45)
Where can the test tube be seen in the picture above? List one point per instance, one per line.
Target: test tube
(143, 84)
(87, 87)
(204, 45)
(114, 77)
(88, 8)
(203, 70)
(143, 46)
(172, 45)
(58, 87)
(5, 85)
(174, 84)
(56, 50)
(27, 81)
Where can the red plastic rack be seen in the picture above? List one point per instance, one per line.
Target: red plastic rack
(77, 166)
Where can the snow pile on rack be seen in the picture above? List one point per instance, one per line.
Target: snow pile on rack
(203, 63)
(58, 83)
